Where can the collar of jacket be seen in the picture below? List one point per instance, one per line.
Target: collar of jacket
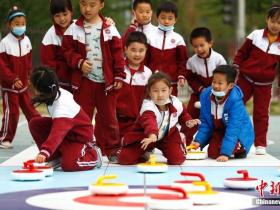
(80, 21)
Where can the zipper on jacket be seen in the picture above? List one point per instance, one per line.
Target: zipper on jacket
(162, 49)
(19, 46)
(268, 47)
(206, 67)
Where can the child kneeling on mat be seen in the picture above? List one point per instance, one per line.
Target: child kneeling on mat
(68, 133)
(158, 125)
(225, 123)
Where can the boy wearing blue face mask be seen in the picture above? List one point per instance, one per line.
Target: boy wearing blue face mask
(167, 50)
(15, 66)
(225, 123)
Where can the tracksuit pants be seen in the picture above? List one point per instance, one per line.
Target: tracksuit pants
(261, 101)
(90, 95)
(74, 155)
(11, 104)
(171, 147)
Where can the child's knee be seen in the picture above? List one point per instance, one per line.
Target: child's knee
(176, 160)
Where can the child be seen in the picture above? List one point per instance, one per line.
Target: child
(200, 69)
(257, 60)
(93, 49)
(50, 51)
(225, 124)
(142, 16)
(168, 52)
(68, 133)
(137, 76)
(15, 66)
(158, 125)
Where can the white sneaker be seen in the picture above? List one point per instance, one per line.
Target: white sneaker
(6, 145)
(260, 150)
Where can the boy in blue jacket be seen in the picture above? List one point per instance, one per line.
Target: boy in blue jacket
(225, 123)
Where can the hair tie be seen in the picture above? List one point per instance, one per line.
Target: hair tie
(52, 87)
(15, 15)
(276, 7)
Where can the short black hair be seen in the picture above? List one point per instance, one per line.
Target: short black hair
(136, 36)
(201, 32)
(57, 6)
(15, 11)
(167, 7)
(227, 70)
(274, 11)
(45, 81)
(136, 2)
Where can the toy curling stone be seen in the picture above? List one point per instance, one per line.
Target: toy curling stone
(176, 201)
(101, 188)
(40, 166)
(28, 174)
(152, 166)
(244, 182)
(187, 184)
(206, 197)
(195, 154)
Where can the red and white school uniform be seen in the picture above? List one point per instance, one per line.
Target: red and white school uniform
(146, 29)
(131, 96)
(150, 122)
(90, 94)
(67, 134)
(51, 55)
(168, 53)
(257, 60)
(199, 76)
(15, 64)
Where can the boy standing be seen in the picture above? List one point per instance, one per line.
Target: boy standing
(93, 50)
(225, 123)
(142, 12)
(137, 76)
(200, 69)
(168, 52)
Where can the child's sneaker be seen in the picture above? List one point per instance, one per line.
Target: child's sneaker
(55, 163)
(6, 145)
(260, 150)
(99, 156)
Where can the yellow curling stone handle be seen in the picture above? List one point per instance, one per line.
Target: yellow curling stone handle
(208, 189)
(100, 180)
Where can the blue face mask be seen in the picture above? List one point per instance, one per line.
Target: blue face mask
(166, 28)
(218, 93)
(19, 30)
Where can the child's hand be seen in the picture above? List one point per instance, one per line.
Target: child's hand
(18, 84)
(222, 158)
(192, 123)
(86, 67)
(118, 85)
(134, 21)
(181, 82)
(194, 145)
(146, 141)
(40, 158)
(109, 21)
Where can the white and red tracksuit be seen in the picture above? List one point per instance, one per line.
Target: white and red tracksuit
(130, 97)
(148, 123)
(67, 134)
(257, 61)
(51, 55)
(168, 53)
(146, 29)
(91, 94)
(199, 76)
(15, 64)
